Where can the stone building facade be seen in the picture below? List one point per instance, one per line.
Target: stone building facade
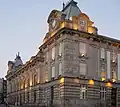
(74, 67)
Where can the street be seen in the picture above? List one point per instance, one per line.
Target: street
(3, 105)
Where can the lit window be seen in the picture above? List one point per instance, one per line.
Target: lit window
(82, 48)
(21, 84)
(83, 92)
(53, 53)
(53, 71)
(103, 53)
(103, 93)
(83, 68)
(60, 68)
(60, 49)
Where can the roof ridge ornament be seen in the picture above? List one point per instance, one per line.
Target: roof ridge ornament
(70, 1)
(65, 5)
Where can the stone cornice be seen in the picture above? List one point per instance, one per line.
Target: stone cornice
(96, 37)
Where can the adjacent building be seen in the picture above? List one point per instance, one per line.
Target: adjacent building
(3, 90)
(74, 67)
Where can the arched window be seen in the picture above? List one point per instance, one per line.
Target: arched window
(21, 84)
(10, 85)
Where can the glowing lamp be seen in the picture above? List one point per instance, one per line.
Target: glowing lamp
(91, 82)
(46, 80)
(109, 84)
(82, 54)
(62, 80)
(103, 79)
(113, 80)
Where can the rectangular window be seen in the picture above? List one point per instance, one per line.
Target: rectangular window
(60, 49)
(83, 68)
(114, 74)
(118, 67)
(34, 96)
(60, 68)
(108, 65)
(83, 92)
(53, 71)
(53, 53)
(114, 57)
(28, 97)
(82, 48)
(47, 56)
(102, 53)
(103, 93)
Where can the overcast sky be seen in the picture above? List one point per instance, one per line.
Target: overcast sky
(23, 24)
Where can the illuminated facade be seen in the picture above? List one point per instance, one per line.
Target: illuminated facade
(75, 66)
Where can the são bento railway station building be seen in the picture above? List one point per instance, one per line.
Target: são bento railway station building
(74, 67)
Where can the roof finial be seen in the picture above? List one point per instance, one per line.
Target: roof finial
(63, 5)
(18, 53)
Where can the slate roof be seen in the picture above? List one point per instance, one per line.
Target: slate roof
(71, 9)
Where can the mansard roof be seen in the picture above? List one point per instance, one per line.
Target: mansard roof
(18, 61)
(71, 9)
